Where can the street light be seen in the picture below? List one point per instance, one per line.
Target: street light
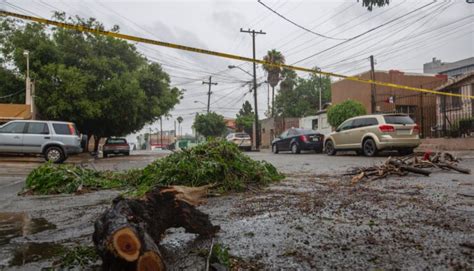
(233, 67)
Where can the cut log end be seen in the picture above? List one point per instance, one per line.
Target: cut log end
(150, 261)
(126, 244)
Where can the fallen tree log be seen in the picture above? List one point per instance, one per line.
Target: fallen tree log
(127, 235)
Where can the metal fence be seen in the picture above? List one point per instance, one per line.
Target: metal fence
(437, 115)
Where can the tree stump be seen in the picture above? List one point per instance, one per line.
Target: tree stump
(127, 235)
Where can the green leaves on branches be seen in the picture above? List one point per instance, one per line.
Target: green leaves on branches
(210, 124)
(338, 113)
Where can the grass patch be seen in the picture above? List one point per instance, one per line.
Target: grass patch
(216, 162)
(79, 257)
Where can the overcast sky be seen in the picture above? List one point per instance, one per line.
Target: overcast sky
(443, 30)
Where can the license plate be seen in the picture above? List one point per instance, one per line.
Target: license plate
(403, 132)
(315, 138)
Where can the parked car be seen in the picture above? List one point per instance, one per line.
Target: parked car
(114, 145)
(242, 140)
(55, 140)
(297, 140)
(371, 133)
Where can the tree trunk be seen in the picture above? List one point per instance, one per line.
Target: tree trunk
(96, 143)
(89, 136)
(127, 235)
(273, 101)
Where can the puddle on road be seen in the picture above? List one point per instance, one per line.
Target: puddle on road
(13, 225)
(20, 224)
(34, 252)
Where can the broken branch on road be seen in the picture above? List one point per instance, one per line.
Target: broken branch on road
(402, 166)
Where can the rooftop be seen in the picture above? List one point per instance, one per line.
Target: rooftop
(10, 112)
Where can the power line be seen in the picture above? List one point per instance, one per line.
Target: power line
(298, 25)
(10, 95)
(364, 33)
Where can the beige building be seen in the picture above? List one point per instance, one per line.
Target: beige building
(271, 127)
(455, 115)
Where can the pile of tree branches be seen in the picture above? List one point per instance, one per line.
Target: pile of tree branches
(401, 166)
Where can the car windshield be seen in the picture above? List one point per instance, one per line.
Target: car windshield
(116, 141)
(398, 119)
(242, 135)
(304, 131)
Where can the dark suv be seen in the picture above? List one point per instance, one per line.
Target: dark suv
(55, 140)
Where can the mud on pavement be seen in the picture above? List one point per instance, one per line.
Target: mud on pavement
(308, 221)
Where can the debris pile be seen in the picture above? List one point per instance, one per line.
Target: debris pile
(401, 166)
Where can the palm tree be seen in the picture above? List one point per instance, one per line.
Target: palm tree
(273, 73)
(179, 119)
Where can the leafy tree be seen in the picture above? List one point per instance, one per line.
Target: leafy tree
(299, 97)
(338, 113)
(372, 3)
(273, 73)
(101, 83)
(210, 124)
(245, 118)
(12, 88)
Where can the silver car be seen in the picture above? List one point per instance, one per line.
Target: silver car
(55, 140)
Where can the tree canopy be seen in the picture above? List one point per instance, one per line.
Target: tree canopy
(210, 124)
(245, 118)
(102, 84)
(299, 97)
(339, 113)
(370, 4)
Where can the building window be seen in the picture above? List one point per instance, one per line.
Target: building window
(449, 103)
(314, 124)
(456, 102)
(410, 110)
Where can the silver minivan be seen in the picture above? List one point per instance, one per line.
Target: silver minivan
(55, 140)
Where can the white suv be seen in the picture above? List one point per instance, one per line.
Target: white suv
(55, 140)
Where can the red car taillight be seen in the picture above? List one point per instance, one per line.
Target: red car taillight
(304, 138)
(416, 129)
(72, 130)
(386, 128)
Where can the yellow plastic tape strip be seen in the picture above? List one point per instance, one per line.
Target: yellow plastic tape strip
(219, 54)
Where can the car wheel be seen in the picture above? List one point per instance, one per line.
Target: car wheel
(127, 153)
(274, 148)
(330, 150)
(295, 149)
(106, 155)
(54, 155)
(369, 147)
(407, 151)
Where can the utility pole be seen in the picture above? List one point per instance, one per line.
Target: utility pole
(268, 97)
(373, 90)
(210, 83)
(320, 90)
(161, 132)
(257, 132)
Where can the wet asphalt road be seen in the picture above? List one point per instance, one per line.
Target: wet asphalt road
(302, 223)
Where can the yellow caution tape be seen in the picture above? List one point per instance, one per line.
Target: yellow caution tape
(219, 54)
